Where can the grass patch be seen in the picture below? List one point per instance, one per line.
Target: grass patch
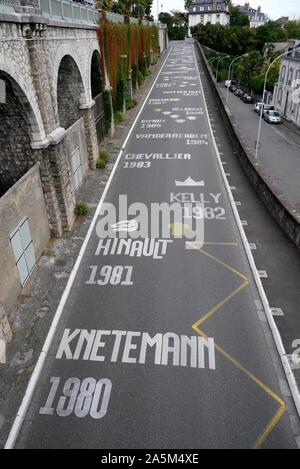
(119, 116)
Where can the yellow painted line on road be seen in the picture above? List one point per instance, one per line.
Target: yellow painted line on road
(219, 305)
(275, 419)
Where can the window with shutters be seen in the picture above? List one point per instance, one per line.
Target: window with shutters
(76, 168)
(23, 250)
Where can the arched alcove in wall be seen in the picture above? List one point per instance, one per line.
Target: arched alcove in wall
(17, 125)
(70, 90)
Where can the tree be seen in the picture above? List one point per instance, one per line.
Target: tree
(123, 7)
(269, 32)
(165, 18)
(176, 23)
(249, 66)
(238, 18)
(187, 4)
(292, 29)
(179, 18)
(105, 5)
(148, 6)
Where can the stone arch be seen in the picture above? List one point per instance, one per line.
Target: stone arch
(19, 128)
(69, 49)
(26, 96)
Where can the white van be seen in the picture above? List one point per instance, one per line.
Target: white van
(229, 83)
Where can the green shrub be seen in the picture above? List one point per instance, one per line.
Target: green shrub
(140, 78)
(107, 100)
(103, 155)
(142, 66)
(100, 163)
(257, 84)
(81, 209)
(130, 103)
(134, 77)
(119, 116)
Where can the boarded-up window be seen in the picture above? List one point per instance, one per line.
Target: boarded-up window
(76, 168)
(23, 250)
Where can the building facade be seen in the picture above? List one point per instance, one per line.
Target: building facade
(208, 11)
(286, 98)
(256, 17)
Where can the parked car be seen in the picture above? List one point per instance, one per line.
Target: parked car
(239, 92)
(272, 117)
(257, 107)
(232, 88)
(267, 107)
(242, 95)
(228, 83)
(247, 99)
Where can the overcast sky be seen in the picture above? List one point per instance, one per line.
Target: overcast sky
(273, 8)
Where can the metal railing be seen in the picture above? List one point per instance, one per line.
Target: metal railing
(114, 17)
(98, 108)
(73, 11)
(7, 5)
(69, 10)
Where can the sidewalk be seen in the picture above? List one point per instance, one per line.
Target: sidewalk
(279, 151)
(291, 126)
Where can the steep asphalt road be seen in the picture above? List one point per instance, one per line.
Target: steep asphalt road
(160, 344)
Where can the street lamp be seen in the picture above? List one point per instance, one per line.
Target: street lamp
(210, 63)
(220, 60)
(211, 59)
(263, 98)
(229, 72)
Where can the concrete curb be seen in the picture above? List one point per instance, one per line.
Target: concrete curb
(275, 332)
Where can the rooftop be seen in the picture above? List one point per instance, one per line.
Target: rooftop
(251, 12)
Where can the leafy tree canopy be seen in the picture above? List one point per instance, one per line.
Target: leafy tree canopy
(176, 22)
(238, 18)
(135, 8)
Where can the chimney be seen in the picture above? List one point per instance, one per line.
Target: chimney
(259, 9)
(247, 5)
